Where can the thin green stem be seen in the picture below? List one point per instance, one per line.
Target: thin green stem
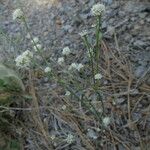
(98, 41)
(84, 100)
(91, 56)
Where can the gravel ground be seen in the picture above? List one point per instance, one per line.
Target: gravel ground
(58, 23)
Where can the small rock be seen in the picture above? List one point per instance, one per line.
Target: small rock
(139, 43)
(127, 37)
(148, 48)
(66, 27)
(120, 100)
(139, 71)
(142, 15)
(136, 27)
(148, 81)
(104, 25)
(77, 21)
(122, 13)
(45, 80)
(92, 134)
(148, 19)
(133, 18)
(84, 16)
(136, 116)
(111, 30)
(108, 2)
(142, 22)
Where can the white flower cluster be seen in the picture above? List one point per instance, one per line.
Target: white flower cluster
(67, 93)
(47, 69)
(38, 46)
(53, 137)
(75, 66)
(92, 134)
(90, 53)
(23, 60)
(60, 60)
(35, 42)
(98, 76)
(98, 9)
(70, 138)
(83, 33)
(66, 51)
(17, 14)
(106, 121)
(64, 107)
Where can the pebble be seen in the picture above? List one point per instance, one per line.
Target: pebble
(139, 43)
(104, 25)
(142, 15)
(111, 30)
(120, 100)
(148, 19)
(139, 71)
(107, 2)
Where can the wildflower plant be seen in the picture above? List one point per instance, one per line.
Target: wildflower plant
(74, 68)
(73, 77)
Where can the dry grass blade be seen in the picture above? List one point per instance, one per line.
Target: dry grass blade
(36, 114)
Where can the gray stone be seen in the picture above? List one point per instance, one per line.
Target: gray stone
(111, 30)
(148, 81)
(120, 100)
(107, 1)
(139, 43)
(142, 15)
(148, 48)
(139, 71)
(122, 13)
(148, 19)
(133, 18)
(104, 25)
(66, 27)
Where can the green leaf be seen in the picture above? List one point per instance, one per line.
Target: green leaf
(10, 84)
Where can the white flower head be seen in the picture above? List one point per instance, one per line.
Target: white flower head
(66, 51)
(83, 33)
(90, 53)
(35, 40)
(98, 129)
(92, 134)
(98, 76)
(98, 9)
(28, 36)
(106, 121)
(60, 60)
(79, 67)
(19, 61)
(93, 25)
(53, 137)
(37, 47)
(17, 14)
(24, 60)
(47, 69)
(72, 66)
(69, 139)
(64, 107)
(27, 54)
(75, 66)
(67, 93)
